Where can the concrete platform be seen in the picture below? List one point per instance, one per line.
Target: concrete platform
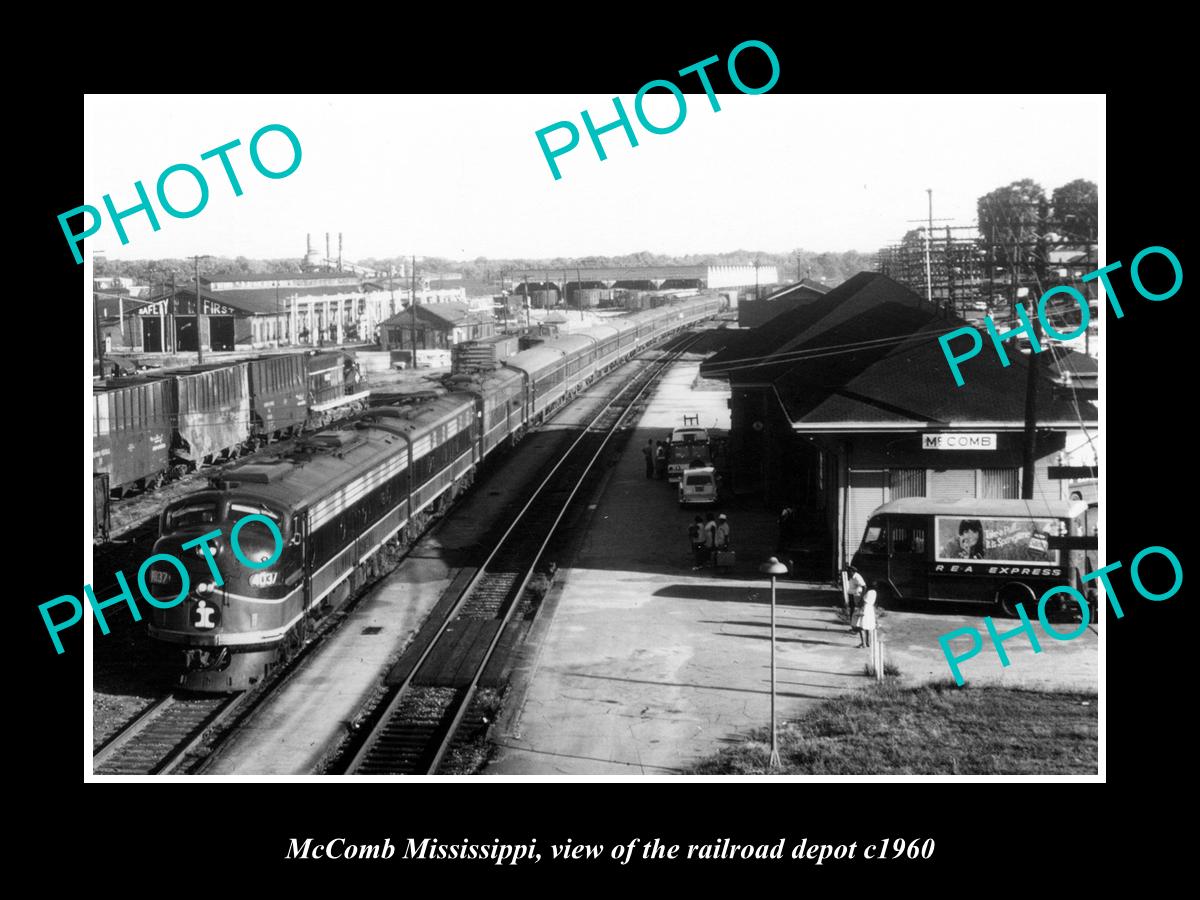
(639, 665)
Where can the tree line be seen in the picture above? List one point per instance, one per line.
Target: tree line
(830, 268)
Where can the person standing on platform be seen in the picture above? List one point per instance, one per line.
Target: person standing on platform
(856, 584)
(866, 617)
(648, 452)
(696, 536)
(786, 518)
(660, 461)
(710, 538)
(722, 533)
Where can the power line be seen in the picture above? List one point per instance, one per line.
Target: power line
(749, 362)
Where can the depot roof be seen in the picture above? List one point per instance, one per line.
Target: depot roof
(866, 356)
(971, 507)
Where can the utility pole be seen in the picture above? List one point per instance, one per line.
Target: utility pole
(199, 311)
(171, 317)
(412, 308)
(391, 293)
(927, 230)
(99, 338)
(579, 292)
(525, 291)
(928, 238)
(1029, 461)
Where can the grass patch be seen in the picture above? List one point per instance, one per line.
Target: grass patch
(935, 729)
(890, 670)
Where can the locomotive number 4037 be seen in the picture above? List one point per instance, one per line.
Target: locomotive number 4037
(158, 576)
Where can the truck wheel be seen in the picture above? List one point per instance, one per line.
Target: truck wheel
(1010, 595)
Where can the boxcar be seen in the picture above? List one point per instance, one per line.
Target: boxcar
(100, 508)
(212, 410)
(131, 430)
(326, 380)
(278, 393)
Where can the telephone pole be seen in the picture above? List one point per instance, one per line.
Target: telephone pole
(1029, 459)
(199, 311)
(412, 306)
(928, 238)
(927, 230)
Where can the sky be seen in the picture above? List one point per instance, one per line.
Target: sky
(463, 176)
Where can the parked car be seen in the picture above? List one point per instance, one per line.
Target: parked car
(698, 486)
(689, 435)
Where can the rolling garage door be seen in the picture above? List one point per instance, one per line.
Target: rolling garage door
(1000, 484)
(866, 493)
(906, 483)
(951, 484)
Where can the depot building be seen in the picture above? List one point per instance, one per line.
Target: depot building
(846, 403)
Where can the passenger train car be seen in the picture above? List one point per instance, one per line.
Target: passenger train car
(344, 498)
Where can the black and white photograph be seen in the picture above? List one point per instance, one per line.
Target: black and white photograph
(548, 438)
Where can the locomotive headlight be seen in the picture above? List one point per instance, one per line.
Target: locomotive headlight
(204, 587)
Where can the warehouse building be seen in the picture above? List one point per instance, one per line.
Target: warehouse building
(436, 327)
(752, 313)
(847, 402)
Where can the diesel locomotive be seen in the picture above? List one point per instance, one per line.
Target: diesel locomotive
(344, 498)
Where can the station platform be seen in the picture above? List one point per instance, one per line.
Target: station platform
(640, 666)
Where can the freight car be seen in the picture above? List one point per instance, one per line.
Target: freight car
(146, 428)
(345, 497)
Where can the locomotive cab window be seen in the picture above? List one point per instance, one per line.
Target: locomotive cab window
(191, 514)
(237, 510)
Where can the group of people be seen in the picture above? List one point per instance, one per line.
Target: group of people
(708, 536)
(657, 454)
(861, 606)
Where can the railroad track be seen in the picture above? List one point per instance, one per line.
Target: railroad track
(438, 683)
(157, 741)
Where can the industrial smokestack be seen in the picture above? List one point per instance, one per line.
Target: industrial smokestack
(327, 248)
(309, 242)
(339, 251)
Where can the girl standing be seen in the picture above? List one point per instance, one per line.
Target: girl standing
(866, 616)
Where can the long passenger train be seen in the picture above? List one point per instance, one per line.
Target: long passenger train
(344, 497)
